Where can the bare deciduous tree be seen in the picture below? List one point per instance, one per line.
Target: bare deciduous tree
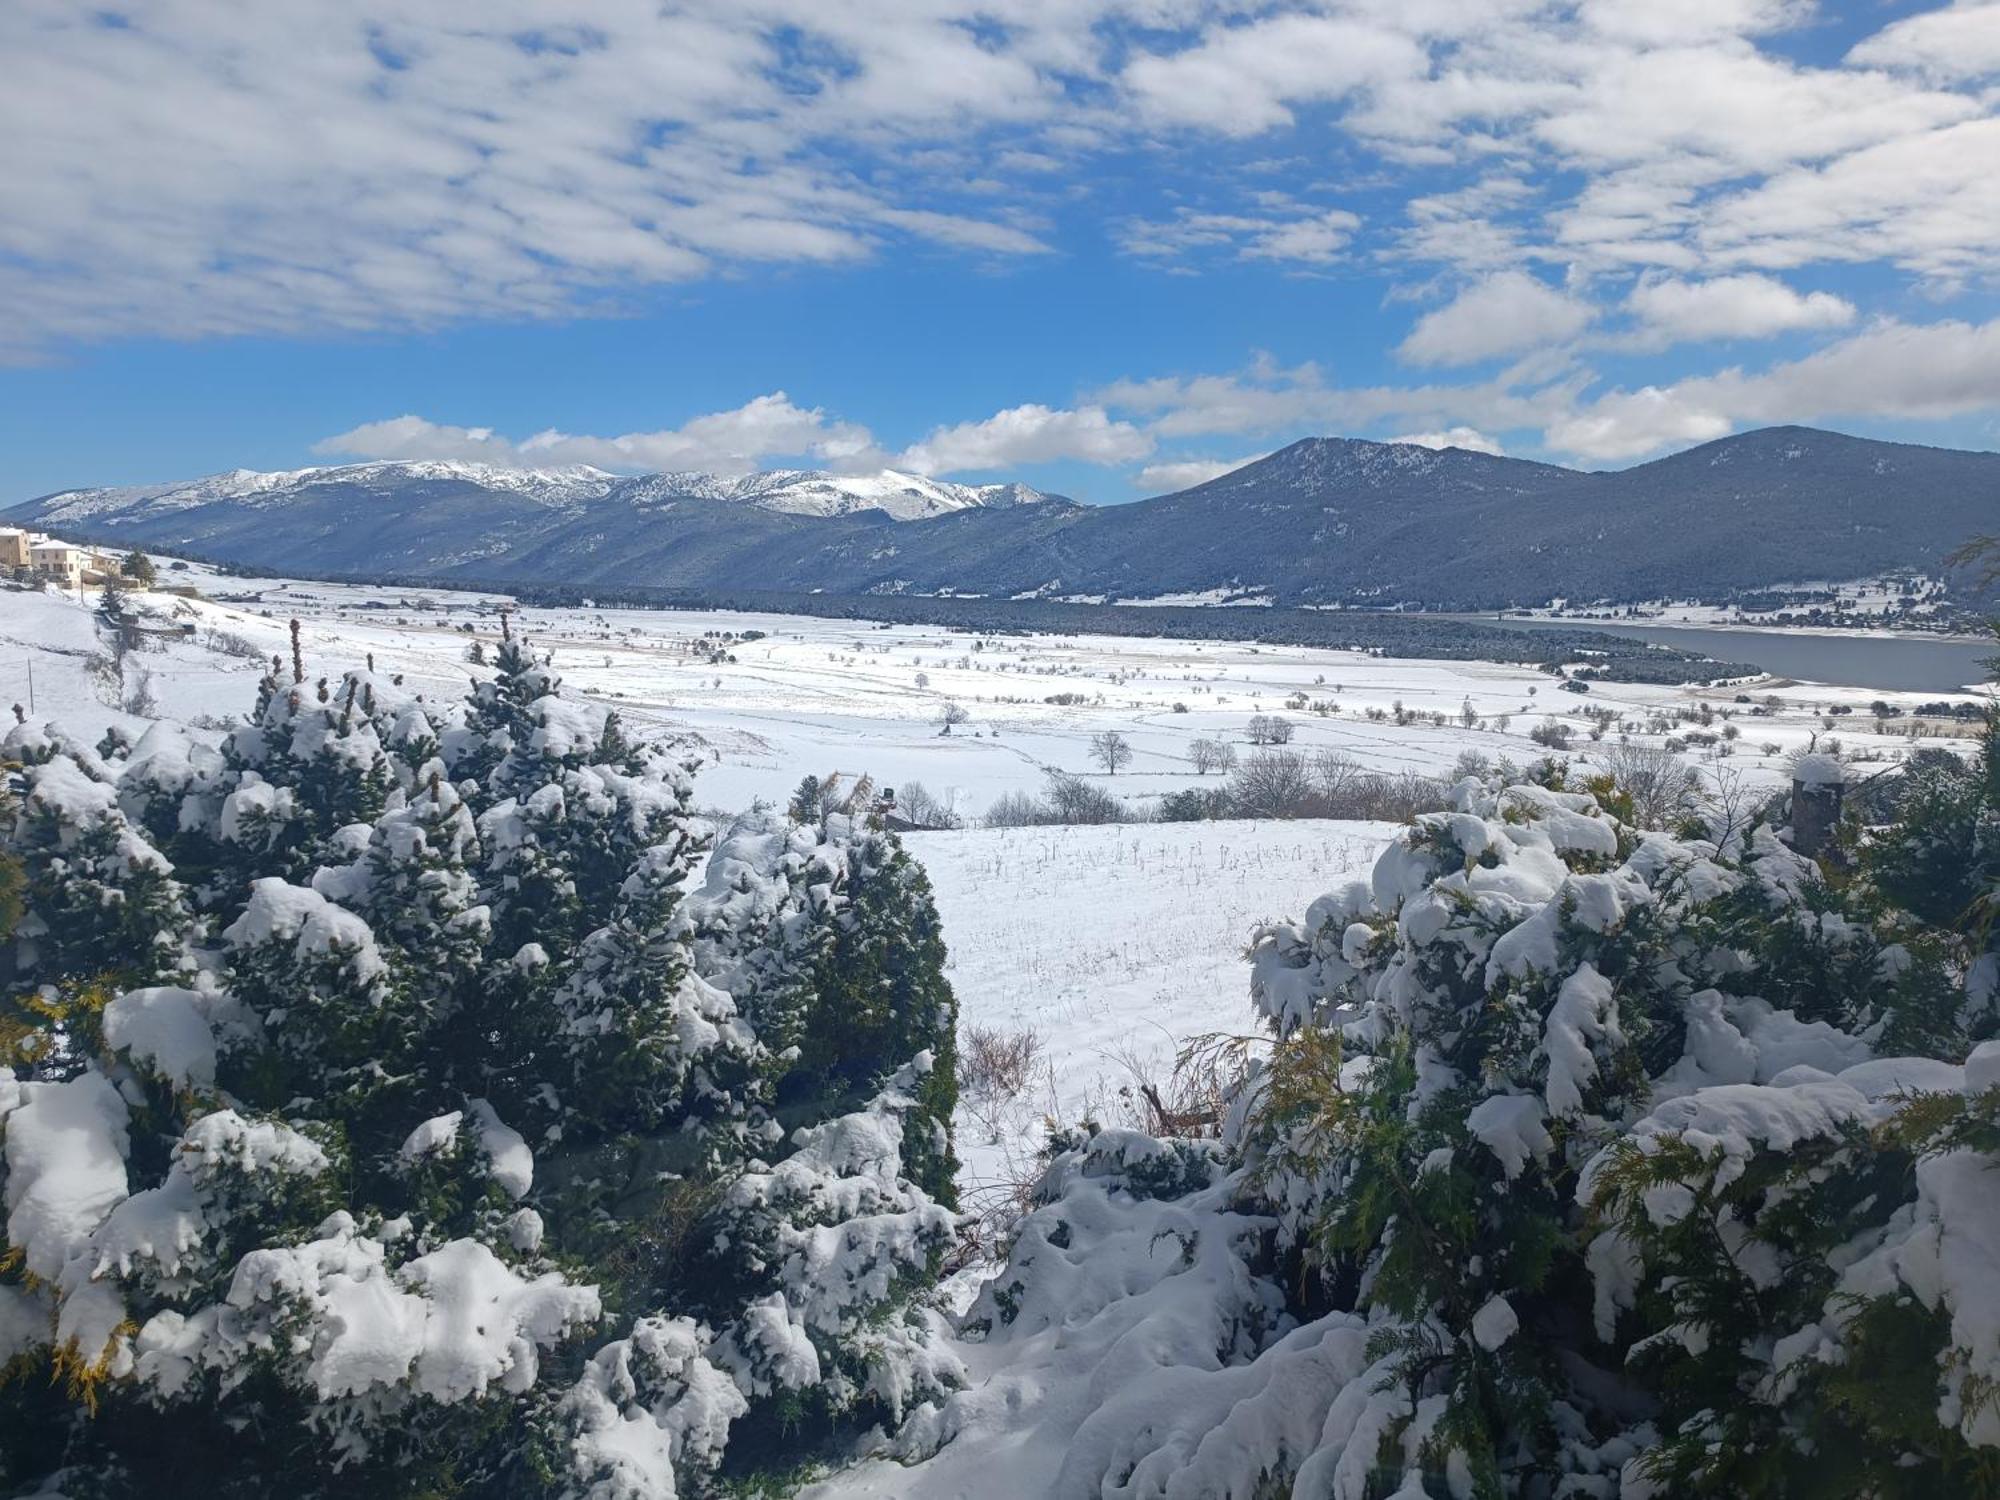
(920, 808)
(1729, 804)
(1336, 776)
(950, 714)
(1661, 785)
(1110, 749)
(1274, 784)
(1071, 799)
(1211, 755)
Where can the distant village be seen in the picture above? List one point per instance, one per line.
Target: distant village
(32, 557)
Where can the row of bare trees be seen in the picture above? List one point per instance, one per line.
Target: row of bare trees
(1065, 798)
(1662, 790)
(1284, 783)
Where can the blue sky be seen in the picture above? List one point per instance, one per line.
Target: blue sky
(1108, 246)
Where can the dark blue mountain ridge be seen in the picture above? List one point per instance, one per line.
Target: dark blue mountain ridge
(1324, 521)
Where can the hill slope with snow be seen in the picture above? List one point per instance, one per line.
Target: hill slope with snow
(1326, 521)
(804, 492)
(902, 497)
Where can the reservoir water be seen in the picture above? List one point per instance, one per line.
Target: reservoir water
(1891, 663)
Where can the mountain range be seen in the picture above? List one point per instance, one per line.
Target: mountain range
(802, 492)
(1326, 521)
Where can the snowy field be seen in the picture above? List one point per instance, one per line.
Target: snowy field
(1110, 946)
(820, 696)
(1868, 602)
(1100, 949)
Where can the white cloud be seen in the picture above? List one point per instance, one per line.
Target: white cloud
(1305, 238)
(1244, 80)
(1469, 438)
(1961, 41)
(1290, 401)
(1890, 370)
(1733, 108)
(1656, 131)
(763, 431)
(962, 233)
(1031, 434)
(1266, 400)
(1925, 202)
(1690, 20)
(1505, 313)
(731, 442)
(1317, 239)
(199, 170)
(189, 170)
(1748, 306)
(1915, 371)
(1636, 423)
(415, 438)
(1185, 473)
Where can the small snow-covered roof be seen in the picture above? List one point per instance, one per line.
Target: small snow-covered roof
(1819, 770)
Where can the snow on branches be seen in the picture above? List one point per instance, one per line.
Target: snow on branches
(369, 1089)
(1583, 1163)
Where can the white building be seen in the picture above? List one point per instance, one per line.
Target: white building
(58, 562)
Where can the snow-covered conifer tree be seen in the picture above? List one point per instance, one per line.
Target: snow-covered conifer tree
(1586, 1160)
(410, 1139)
(102, 900)
(882, 994)
(827, 932)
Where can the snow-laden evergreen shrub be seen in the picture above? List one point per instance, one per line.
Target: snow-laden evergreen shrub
(382, 1117)
(1586, 1160)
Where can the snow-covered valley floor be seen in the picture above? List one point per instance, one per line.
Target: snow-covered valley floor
(1110, 946)
(815, 695)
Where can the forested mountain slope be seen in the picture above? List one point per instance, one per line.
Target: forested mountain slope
(1324, 521)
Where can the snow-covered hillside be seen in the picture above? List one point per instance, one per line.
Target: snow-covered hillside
(805, 492)
(278, 488)
(904, 497)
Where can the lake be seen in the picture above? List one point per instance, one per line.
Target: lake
(1892, 663)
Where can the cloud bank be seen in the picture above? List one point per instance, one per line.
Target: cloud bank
(1539, 193)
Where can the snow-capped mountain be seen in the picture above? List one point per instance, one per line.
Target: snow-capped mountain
(283, 486)
(809, 492)
(1326, 521)
(802, 492)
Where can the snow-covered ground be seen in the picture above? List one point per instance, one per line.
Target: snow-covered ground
(827, 695)
(1110, 946)
(1868, 603)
